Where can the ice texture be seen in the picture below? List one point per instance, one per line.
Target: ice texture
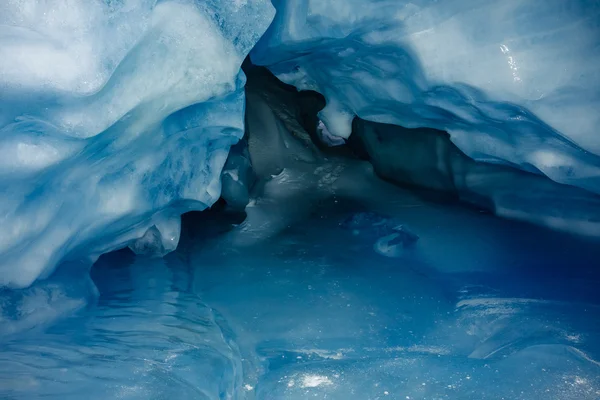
(426, 158)
(513, 82)
(283, 142)
(305, 295)
(115, 118)
(483, 309)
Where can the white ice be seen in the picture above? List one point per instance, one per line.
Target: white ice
(115, 118)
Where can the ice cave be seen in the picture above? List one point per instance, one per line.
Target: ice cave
(300, 199)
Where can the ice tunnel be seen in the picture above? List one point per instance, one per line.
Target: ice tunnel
(300, 199)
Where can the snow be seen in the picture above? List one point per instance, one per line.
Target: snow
(116, 117)
(513, 82)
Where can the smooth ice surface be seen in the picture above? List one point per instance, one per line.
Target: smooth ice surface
(115, 118)
(481, 309)
(514, 82)
(148, 337)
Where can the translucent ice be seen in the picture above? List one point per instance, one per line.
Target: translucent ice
(513, 82)
(115, 117)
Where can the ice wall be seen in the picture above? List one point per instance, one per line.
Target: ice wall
(513, 82)
(427, 159)
(115, 118)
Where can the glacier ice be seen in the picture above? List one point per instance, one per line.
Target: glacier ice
(237, 177)
(315, 278)
(391, 238)
(148, 336)
(116, 117)
(291, 159)
(426, 158)
(513, 82)
(311, 276)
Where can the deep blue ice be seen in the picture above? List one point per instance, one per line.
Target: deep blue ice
(477, 308)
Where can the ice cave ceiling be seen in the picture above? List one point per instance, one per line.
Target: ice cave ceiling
(118, 116)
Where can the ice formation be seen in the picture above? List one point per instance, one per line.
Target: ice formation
(426, 158)
(513, 82)
(311, 277)
(116, 117)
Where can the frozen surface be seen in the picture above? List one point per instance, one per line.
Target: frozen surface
(149, 336)
(115, 118)
(482, 308)
(513, 82)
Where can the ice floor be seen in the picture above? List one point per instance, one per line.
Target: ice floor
(331, 307)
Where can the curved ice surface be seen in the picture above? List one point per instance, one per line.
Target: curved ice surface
(148, 337)
(115, 117)
(513, 82)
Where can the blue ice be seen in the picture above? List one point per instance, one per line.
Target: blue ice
(115, 118)
(513, 82)
(171, 229)
(482, 308)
